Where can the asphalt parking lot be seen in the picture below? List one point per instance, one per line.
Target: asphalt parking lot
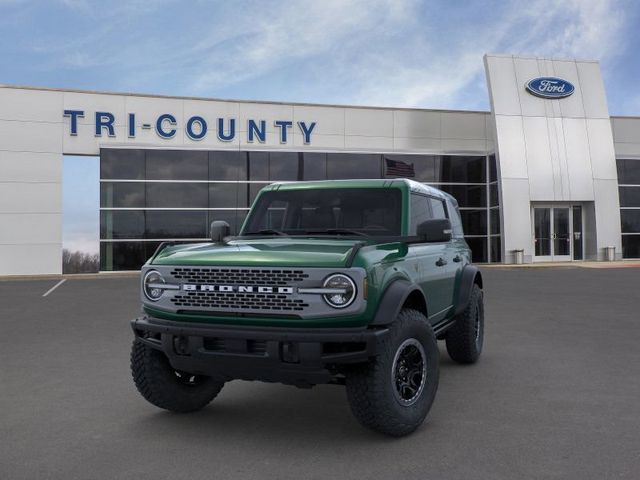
(555, 395)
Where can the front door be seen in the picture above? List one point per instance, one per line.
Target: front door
(554, 229)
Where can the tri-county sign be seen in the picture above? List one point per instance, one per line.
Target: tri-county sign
(550, 87)
(196, 127)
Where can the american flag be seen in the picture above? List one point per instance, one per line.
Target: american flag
(398, 168)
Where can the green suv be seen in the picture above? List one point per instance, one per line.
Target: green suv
(349, 282)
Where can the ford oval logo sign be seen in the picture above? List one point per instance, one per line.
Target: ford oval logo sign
(550, 87)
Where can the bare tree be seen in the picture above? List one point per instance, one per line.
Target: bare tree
(79, 262)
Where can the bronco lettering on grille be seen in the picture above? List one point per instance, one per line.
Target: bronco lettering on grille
(236, 289)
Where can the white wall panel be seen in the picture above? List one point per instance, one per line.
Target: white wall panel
(368, 122)
(593, 92)
(357, 142)
(571, 106)
(525, 70)
(31, 259)
(511, 145)
(601, 147)
(502, 78)
(416, 124)
(20, 228)
(517, 217)
(607, 208)
(578, 159)
(462, 146)
(30, 167)
(30, 137)
(626, 130)
(413, 144)
(470, 126)
(30, 197)
(539, 165)
(30, 105)
(329, 120)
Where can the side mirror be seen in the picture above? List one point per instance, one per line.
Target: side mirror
(219, 230)
(435, 230)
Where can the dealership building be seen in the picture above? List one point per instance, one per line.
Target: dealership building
(546, 175)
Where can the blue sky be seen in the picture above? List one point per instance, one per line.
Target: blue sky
(370, 52)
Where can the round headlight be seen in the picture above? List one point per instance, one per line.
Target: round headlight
(344, 291)
(151, 285)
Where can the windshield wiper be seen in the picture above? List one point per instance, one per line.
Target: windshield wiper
(338, 231)
(268, 231)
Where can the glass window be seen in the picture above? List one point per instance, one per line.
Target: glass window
(474, 222)
(493, 169)
(176, 224)
(314, 166)
(121, 224)
(417, 167)
(631, 246)
(233, 217)
(122, 195)
(628, 171)
(258, 166)
(227, 165)
(629, 196)
(372, 211)
(470, 196)
(630, 221)
(496, 249)
(122, 255)
(283, 166)
(461, 169)
(177, 195)
(494, 218)
(456, 220)
(478, 246)
(122, 164)
(254, 189)
(493, 195)
(420, 212)
(353, 165)
(228, 195)
(177, 165)
(437, 208)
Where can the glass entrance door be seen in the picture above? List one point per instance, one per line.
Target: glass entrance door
(557, 233)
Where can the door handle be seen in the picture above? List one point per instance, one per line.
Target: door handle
(457, 258)
(441, 262)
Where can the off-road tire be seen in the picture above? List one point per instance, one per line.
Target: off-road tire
(371, 388)
(465, 338)
(160, 384)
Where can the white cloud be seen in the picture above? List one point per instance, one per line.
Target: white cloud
(375, 52)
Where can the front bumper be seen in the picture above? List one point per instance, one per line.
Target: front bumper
(298, 356)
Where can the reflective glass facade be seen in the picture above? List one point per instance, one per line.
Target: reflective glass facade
(629, 189)
(150, 196)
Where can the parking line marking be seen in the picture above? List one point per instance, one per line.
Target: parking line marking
(54, 287)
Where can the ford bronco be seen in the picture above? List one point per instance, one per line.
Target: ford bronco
(349, 282)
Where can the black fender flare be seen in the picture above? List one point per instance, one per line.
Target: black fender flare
(392, 301)
(470, 275)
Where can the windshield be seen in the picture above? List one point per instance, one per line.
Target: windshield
(332, 211)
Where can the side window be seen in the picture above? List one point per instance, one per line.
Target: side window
(456, 221)
(437, 206)
(420, 211)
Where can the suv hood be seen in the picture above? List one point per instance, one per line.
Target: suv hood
(271, 252)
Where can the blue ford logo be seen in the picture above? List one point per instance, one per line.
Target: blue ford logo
(550, 87)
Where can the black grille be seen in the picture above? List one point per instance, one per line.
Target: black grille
(238, 301)
(253, 347)
(244, 276)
